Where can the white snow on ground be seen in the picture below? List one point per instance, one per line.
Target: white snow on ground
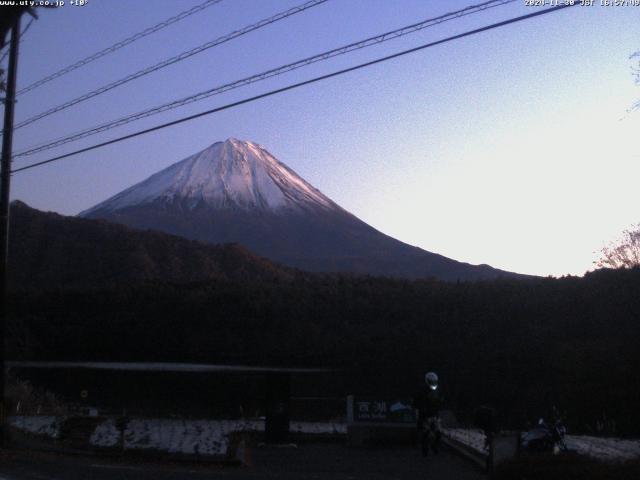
(318, 427)
(470, 438)
(205, 437)
(608, 449)
(211, 437)
(106, 434)
(39, 424)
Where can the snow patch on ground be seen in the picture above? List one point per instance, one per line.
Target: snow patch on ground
(608, 449)
(471, 438)
(106, 434)
(46, 425)
(211, 437)
(202, 437)
(318, 428)
(205, 437)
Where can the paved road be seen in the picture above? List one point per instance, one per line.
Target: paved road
(307, 462)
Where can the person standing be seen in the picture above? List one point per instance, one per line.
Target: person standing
(428, 402)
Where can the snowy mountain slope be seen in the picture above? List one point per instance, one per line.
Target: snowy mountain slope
(225, 175)
(236, 191)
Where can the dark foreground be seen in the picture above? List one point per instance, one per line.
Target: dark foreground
(566, 467)
(316, 461)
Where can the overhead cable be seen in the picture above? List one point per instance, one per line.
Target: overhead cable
(297, 85)
(172, 60)
(119, 45)
(263, 76)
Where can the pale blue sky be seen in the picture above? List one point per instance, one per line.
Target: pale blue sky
(510, 147)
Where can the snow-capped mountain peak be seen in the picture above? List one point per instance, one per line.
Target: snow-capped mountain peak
(236, 191)
(229, 174)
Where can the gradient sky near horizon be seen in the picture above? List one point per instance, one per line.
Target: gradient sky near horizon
(512, 147)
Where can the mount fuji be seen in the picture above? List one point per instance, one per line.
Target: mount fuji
(237, 192)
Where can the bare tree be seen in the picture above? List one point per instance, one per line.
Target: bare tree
(623, 253)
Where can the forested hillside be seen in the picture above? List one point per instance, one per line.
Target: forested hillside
(521, 346)
(50, 251)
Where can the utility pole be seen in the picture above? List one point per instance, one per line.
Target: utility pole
(5, 183)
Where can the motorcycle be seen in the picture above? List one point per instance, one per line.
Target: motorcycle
(545, 438)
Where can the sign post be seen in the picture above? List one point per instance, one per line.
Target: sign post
(374, 419)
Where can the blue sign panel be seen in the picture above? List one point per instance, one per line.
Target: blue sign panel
(396, 411)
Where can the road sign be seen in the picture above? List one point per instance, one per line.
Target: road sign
(385, 411)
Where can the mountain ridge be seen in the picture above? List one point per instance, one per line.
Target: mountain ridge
(51, 251)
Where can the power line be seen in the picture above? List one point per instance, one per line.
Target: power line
(120, 44)
(4, 55)
(172, 60)
(297, 85)
(264, 75)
